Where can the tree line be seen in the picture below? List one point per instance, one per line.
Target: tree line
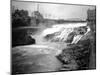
(21, 18)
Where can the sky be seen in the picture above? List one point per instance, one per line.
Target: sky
(55, 11)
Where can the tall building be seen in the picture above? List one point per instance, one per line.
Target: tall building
(91, 18)
(91, 15)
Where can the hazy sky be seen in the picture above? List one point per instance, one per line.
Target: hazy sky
(55, 10)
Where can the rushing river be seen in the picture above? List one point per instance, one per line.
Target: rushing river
(60, 35)
(50, 42)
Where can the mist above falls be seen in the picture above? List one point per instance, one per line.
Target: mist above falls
(60, 35)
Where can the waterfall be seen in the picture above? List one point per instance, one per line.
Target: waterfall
(60, 35)
(62, 32)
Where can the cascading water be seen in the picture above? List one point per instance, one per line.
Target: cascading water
(50, 42)
(58, 36)
(62, 31)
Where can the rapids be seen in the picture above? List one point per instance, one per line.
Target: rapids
(58, 35)
(50, 42)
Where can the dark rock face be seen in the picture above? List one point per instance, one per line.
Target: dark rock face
(22, 37)
(76, 56)
(23, 40)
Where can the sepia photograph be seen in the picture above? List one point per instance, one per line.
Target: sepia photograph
(52, 37)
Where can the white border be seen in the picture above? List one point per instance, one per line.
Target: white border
(5, 37)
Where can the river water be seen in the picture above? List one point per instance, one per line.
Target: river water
(41, 57)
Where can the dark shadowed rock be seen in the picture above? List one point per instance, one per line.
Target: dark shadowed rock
(21, 36)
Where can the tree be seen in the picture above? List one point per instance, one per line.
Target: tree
(38, 16)
(20, 18)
